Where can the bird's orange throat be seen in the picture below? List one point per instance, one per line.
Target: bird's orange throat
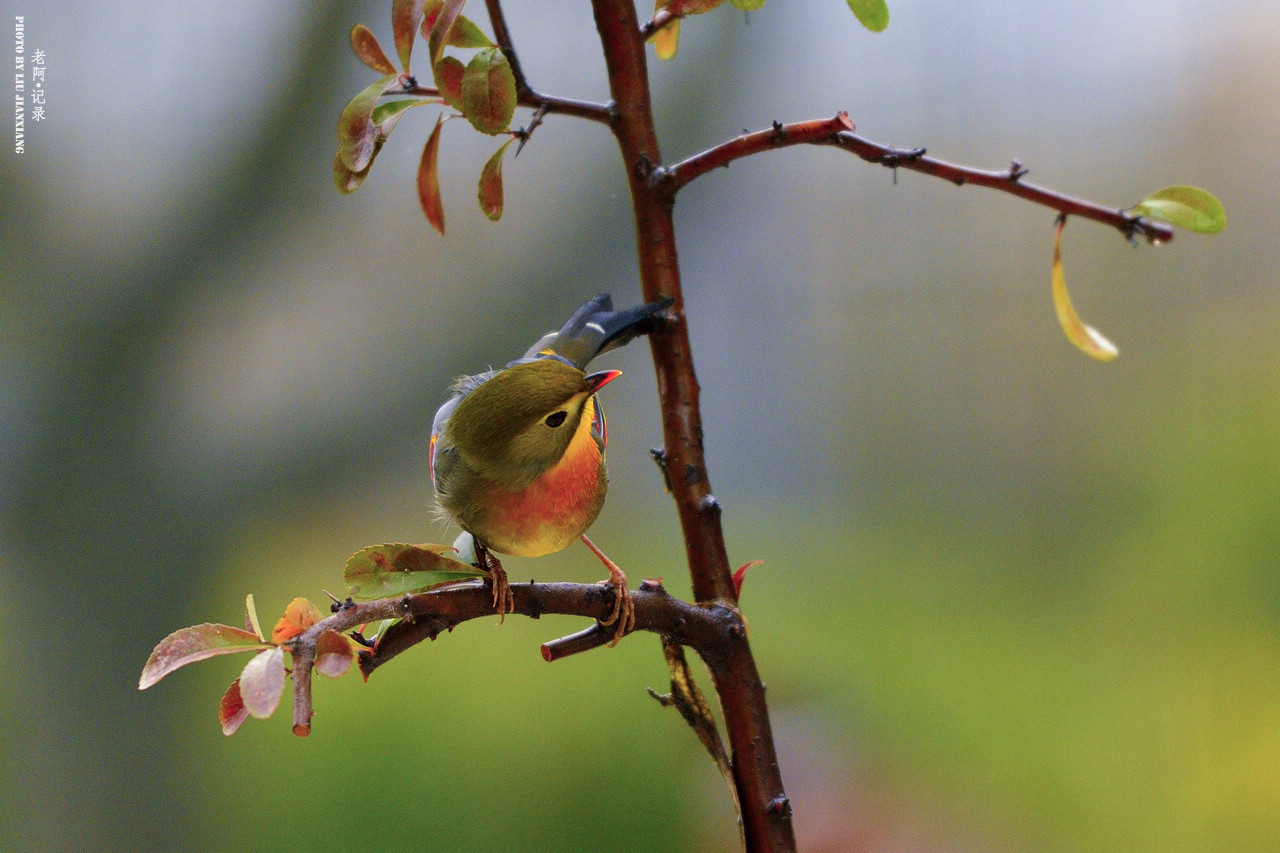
(553, 510)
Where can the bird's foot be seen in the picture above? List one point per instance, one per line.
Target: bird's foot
(624, 607)
(503, 601)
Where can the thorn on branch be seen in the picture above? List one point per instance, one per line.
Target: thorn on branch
(1017, 170)
(525, 132)
(660, 459)
(898, 156)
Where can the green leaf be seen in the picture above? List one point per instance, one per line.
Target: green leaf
(262, 683)
(748, 5)
(873, 14)
(231, 710)
(388, 113)
(489, 92)
(1186, 207)
(490, 189)
(364, 44)
(429, 181)
(381, 571)
(357, 134)
(188, 645)
(334, 654)
(346, 180)
(449, 73)
(1086, 338)
(406, 15)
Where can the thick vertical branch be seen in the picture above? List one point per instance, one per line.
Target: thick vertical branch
(660, 276)
(766, 812)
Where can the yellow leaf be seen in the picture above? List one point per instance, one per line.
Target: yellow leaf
(1086, 338)
(666, 41)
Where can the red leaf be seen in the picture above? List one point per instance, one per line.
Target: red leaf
(741, 574)
(429, 180)
(449, 73)
(188, 645)
(231, 710)
(406, 15)
(440, 29)
(364, 44)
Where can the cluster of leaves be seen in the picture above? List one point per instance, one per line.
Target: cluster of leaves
(483, 91)
(379, 571)
(1185, 207)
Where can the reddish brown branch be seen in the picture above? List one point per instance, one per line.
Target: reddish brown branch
(838, 132)
(766, 815)
(427, 615)
(1006, 180)
(779, 136)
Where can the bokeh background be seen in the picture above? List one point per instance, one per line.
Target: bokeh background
(1012, 599)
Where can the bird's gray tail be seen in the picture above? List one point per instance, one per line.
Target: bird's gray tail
(595, 328)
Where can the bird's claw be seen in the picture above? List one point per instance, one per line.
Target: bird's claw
(624, 607)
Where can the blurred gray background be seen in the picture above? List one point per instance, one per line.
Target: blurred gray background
(1012, 600)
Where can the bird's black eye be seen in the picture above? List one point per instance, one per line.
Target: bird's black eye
(556, 418)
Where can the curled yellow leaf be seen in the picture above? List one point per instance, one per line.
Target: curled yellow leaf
(1086, 338)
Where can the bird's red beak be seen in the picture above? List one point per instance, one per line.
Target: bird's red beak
(596, 381)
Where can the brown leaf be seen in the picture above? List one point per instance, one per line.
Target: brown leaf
(188, 645)
(364, 44)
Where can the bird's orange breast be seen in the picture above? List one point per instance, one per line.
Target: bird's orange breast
(554, 510)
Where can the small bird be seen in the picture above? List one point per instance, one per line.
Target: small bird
(517, 454)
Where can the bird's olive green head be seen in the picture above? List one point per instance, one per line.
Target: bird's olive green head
(520, 421)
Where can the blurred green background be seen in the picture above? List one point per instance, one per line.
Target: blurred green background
(1012, 599)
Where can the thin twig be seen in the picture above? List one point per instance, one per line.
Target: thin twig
(600, 113)
(839, 132)
(1006, 180)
